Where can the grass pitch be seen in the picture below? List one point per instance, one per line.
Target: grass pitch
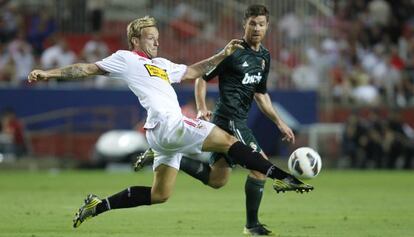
(344, 203)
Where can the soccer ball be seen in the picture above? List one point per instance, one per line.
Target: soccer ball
(305, 163)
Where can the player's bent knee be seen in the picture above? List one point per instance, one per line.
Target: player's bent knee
(160, 196)
(157, 198)
(216, 184)
(220, 173)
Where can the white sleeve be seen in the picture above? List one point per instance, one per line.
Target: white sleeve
(175, 71)
(114, 64)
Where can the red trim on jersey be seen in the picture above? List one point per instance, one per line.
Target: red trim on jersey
(190, 123)
(140, 53)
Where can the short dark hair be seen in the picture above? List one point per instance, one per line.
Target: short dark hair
(256, 10)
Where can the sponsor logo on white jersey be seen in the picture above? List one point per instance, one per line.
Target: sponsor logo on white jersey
(155, 71)
(251, 79)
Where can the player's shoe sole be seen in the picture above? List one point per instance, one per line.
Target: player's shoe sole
(144, 159)
(291, 183)
(259, 230)
(87, 210)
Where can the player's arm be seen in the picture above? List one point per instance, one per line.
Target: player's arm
(74, 71)
(200, 68)
(200, 98)
(265, 105)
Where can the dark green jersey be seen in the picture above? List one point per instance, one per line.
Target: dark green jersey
(240, 76)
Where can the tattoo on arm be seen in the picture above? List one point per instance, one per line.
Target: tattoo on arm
(73, 72)
(209, 66)
(205, 66)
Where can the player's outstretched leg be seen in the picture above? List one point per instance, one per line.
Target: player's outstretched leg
(130, 197)
(87, 210)
(283, 181)
(144, 159)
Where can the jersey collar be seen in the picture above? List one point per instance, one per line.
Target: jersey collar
(140, 53)
(247, 46)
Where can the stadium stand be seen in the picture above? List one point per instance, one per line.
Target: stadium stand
(355, 55)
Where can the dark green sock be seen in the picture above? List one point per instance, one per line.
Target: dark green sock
(196, 169)
(254, 191)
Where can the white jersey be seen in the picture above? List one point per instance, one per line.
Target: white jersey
(150, 80)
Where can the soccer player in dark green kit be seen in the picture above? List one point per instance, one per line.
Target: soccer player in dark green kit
(242, 79)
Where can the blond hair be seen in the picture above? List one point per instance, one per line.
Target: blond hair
(134, 27)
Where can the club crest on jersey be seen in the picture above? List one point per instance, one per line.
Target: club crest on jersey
(155, 71)
(253, 146)
(263, 64)
(251, 79)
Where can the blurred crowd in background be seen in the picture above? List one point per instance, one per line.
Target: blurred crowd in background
(351, 52)
(374, 142)
(12, 140)
(357, 52)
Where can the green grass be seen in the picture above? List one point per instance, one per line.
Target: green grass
(344, 203)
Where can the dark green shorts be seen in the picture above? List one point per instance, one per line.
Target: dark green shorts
(238, 129)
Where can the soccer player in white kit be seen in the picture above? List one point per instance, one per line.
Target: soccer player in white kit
(168, 132)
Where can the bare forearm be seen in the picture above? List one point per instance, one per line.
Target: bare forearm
(200, 68)
(272, 114)
(208, 64)
(265, 105)
(200, 94)
(74, 71)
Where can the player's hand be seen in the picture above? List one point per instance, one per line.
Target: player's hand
(36, 75)
(232, 46)
(204, 114)
(287, 133)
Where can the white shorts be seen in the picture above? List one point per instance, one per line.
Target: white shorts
(177, 136)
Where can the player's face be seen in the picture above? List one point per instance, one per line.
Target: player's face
(255, 29)
(148, 41)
